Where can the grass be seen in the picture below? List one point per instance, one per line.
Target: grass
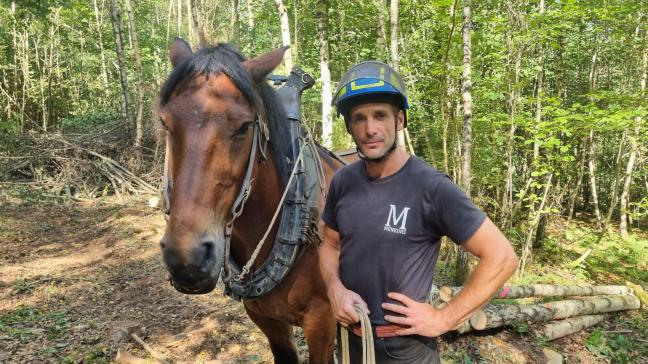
(24, 323)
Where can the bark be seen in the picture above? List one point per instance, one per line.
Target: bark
(234, 20)
(250, 10)
(445, 294)
(285, 33)
(327, 120)
(579, 179)
(138, 73)
(115, 17)
(445, 98)
(562, 328)
(533, 224)
(539, 92)
(179, 17)
(104, 72)
(591, 165)
(634, 148)
(513, 80)
(464, 262)
(493, 316)
(393, 16)
(381, 41)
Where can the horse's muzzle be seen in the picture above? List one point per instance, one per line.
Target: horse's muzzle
(194, 270)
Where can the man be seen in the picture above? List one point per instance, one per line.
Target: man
(384, 216)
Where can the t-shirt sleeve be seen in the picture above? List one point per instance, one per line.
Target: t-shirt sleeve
(453, 213)
(329, 216)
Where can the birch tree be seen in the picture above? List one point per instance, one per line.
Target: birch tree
(327, 120)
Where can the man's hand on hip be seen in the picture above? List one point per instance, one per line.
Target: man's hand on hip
(422, 318)
(342, 301)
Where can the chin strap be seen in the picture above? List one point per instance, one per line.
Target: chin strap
(382, 157)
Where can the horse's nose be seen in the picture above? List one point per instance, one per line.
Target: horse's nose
(189, 264)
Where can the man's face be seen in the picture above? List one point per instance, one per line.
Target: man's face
(373, 127)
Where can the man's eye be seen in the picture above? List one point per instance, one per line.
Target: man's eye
(242, 130)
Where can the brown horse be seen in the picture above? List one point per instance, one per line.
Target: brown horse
(226, 133)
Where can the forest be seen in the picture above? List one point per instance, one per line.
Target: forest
(536, 109)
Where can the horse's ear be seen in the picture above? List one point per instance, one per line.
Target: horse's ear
(179, 51)
(262, 65)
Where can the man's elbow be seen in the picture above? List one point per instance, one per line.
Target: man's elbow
(511, 261)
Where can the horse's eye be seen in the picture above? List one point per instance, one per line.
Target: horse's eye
(242, 130)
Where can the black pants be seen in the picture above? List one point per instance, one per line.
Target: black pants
(412, 349)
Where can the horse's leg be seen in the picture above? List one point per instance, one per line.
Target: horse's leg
(280, 337)
(319, 330)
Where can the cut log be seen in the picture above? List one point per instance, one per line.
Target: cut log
(639, 292)
(446, 293)
(558, 329)
(500, 315)
(548, 290)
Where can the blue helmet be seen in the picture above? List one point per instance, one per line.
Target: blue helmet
(370, 81)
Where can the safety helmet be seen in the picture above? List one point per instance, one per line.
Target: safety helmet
(369, 81)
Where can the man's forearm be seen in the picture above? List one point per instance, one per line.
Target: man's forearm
(329, 265)
(489, 276)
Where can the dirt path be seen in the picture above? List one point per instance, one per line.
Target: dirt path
(72, 275)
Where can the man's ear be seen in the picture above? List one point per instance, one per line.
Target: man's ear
(262, 65)
(179, 51)
(401, 120)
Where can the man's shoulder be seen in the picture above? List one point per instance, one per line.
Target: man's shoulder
(352, 169)
(425, 172)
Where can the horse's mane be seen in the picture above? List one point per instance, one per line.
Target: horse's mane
(224, 59)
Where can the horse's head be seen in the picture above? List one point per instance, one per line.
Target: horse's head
(209, 106)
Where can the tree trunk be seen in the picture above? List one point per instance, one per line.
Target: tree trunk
(381, 41)
(234, 20)
(285, 34)
(513, 80)
(393, 16)
(327, 120)
(591, 164)
(445, 99)
(527, 253)
(634, 148)
(115, 18)
(445, 294)
(138, 73)
(539, 92)
(493, 316)
(104, 72)
(198, 35)
(562, 328)
(464, 262)
(573, 194)
(250, 9)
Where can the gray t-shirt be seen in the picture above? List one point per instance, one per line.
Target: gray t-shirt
(390, 229)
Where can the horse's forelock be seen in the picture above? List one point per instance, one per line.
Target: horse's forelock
(212, 61)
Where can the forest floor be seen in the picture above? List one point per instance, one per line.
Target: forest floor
(72, 275)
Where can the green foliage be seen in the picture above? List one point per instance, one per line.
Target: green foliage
(616, 348)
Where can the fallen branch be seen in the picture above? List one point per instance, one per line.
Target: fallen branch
(148, 349)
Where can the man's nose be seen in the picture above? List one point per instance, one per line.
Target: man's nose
(371, 127)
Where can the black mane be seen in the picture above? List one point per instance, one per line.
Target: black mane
(223, 59)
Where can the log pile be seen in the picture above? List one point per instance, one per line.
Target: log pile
(585, 307)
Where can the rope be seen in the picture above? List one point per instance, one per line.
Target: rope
(368, 350)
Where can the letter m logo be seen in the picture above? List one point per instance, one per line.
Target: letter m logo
(395, 218)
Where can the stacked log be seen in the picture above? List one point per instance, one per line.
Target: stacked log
(565, 317)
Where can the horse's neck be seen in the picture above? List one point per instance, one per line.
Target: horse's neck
(257, 214)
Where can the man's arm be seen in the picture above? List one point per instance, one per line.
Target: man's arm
(497, 262)
(342, 299)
